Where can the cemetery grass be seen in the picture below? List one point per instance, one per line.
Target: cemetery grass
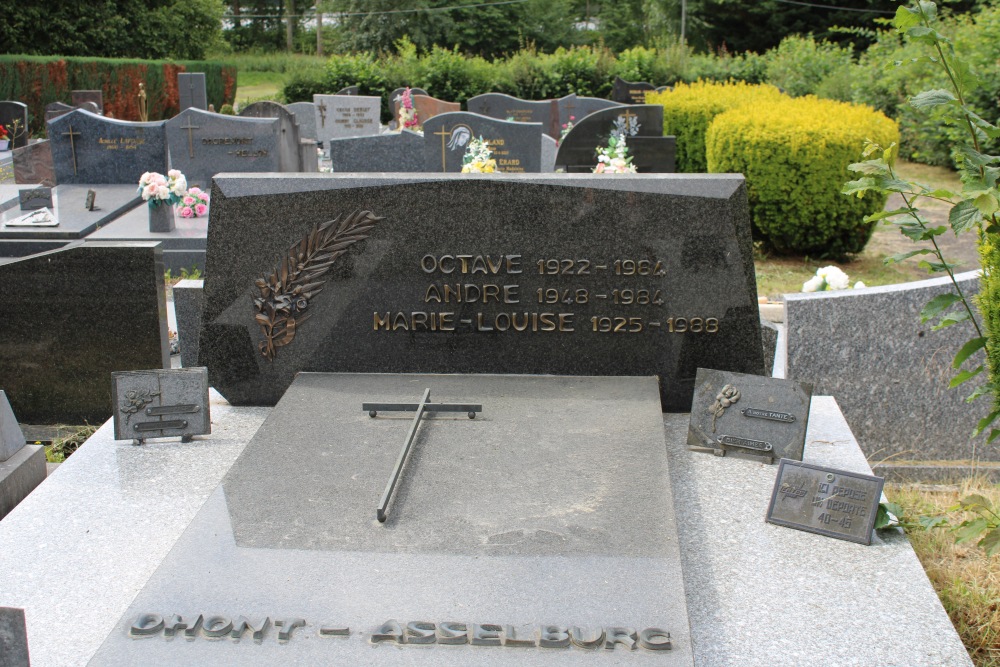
(252, 86)
(965, 578)
(781, 275)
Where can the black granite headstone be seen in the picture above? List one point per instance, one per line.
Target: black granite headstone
(14, 118)
(191, 88)
(581, 107)
(289, 146)
(560, 274)
(506, 107)
(70, 318)
(630, 92)
(642, 126)
(87, 148)
(203, 144)
(517, 147)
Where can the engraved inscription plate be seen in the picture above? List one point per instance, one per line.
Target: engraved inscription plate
(831, 502)
(35, 198)
(749, 416)
(160, 404)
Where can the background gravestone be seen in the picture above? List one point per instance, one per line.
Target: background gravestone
(630, 92)
(66, 326)
(203, 144)
(585, 276)
(56, 109)
(11, 113)
(339, 116)
(427, 107)
(507, 107)
(95, 97)
(87, 148)
(642, 125)
(191, 87)
(290, 144)
(349, 90)
(582, 107)
(517, 147)
(305, 116)
(393, 151)
(396, 98)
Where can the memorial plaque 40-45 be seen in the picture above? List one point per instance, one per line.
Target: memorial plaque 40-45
(560, 274)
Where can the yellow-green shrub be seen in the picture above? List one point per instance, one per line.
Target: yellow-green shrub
(988, 301)
(690, 107)
(794, 154)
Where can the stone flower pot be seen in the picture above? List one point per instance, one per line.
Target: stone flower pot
(161, 217)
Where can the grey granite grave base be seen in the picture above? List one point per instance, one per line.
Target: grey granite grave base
(19, 475)
(187, 308)
(13, 638)
(183, 246)
(757, 593)
(889, 371)
(74, 572)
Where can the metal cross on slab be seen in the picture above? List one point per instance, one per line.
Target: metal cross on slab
(322, 113)
(190, 127)
(443, 133)
(72, 145)
(420, 408)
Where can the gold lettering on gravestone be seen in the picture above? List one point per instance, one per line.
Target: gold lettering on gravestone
(121, 143)
(457, 285)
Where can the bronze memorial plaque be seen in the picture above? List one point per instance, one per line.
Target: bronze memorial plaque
(831, 502)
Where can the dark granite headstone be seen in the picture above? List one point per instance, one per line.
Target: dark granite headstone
(506, 107)
(70, 318)
(642, 126)
(396, 97)
(427, 107)
(305, 116)
(14, 118)
(560, 274)
(95, 97)
(290, 140)
(87, 148)
(749, 416)
(554, 506)
(161, 403)
(517, 147)
(191, 87)
(350, 90)
(394, 151)
(56, 109)
(13, 638)
(582, 107)
(33, 164)
(187, 307)
(630, 92)
(203, 144)
(339, 116)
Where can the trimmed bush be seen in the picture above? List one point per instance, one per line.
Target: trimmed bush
(988, 301)
(688, 110)
(41, 80)
(794, 154)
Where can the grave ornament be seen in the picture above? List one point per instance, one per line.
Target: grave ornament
(161, 404)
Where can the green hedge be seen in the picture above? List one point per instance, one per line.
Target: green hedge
(41, 80)
(988, 301)
(794, 154)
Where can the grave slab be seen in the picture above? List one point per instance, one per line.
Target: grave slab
(33, 164)
(305, 116)
(517, 147)
(191, 88)
(95, 97)
(71, 317)
(507, 107)
(289, 145)
(183, 246)
(673, 251)
(340, 116)
(427, 107)
(203, 144)
(87, 148)
(880, 584)
(479, 565)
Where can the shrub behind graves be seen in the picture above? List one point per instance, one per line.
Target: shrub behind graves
(794, 154)
(448, 75)
(801, 66)
(688, 110)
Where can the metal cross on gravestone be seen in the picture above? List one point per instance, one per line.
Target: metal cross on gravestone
(322, 113)
(189, 127)
(72, 145)
(424, 406)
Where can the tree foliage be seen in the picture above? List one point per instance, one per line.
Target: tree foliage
(183, 29)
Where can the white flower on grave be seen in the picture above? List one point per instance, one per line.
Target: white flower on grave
(859, 285)
(834, 277)
(814, 284)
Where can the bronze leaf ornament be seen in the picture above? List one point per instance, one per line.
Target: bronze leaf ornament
(285, 295)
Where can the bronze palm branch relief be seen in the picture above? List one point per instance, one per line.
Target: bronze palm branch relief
(286, 293)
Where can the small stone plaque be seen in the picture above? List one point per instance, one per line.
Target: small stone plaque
(831, 502)
(161, 404)
(34, 198)
(91, 203)
(749, 416)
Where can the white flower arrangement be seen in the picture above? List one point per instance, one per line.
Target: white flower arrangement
(157, 189)
(478, 158)
(614, 158)
(829, 278)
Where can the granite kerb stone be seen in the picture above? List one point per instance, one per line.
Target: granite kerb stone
(890, 372)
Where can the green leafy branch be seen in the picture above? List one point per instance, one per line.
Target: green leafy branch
(974, 208)
(983, 526)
